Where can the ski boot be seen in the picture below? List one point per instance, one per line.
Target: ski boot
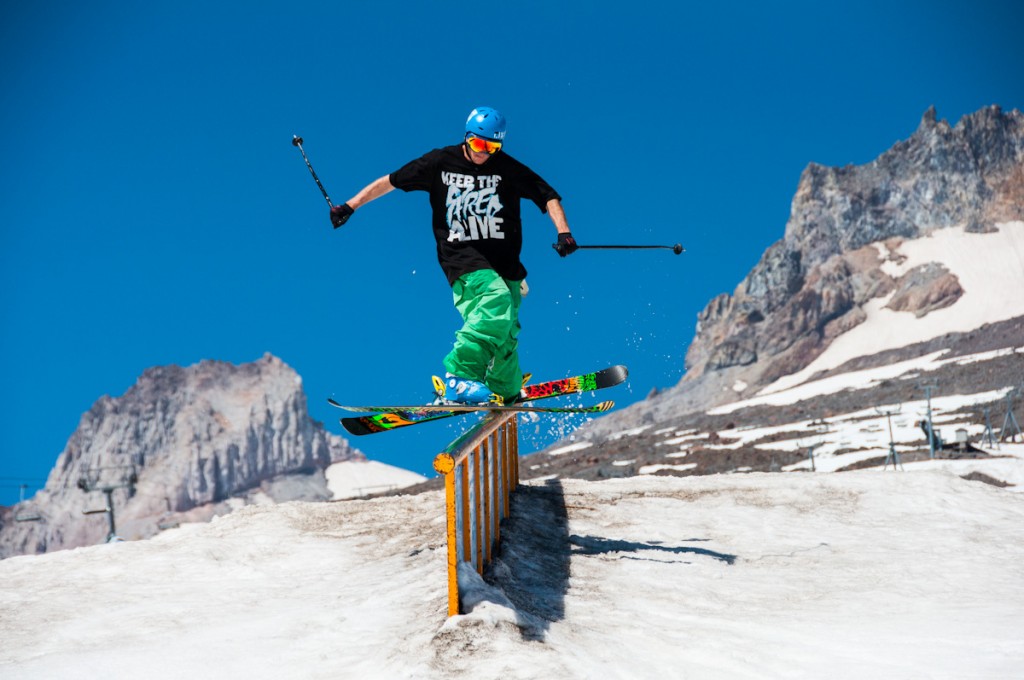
(515, 398)
(455, 390)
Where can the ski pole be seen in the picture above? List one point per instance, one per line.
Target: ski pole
(297, 141)
(677, 248)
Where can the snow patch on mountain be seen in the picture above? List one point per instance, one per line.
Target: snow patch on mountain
(990, 268)
(862, 379)
(356, 478)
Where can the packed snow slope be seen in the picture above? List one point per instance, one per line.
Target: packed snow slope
(855, 575)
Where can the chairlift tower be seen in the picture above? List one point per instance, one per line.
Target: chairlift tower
(1011, 428)
(810, 454)
(821, 429)
(931, 425)
(894, 455)
(989, 439)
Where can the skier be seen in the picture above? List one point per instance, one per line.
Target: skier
(475, 189)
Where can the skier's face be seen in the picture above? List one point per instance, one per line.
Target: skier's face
(479, 150)
(478, 158)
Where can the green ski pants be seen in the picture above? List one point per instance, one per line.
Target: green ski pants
(486, 347)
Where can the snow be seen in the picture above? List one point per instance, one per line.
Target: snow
(654, 469)
(775, 395)
(874, 573)
(569, 448)
(990, 268)
(848, 438)
(853, 575)
(632, 432)
(1006, 467)
(355, 478)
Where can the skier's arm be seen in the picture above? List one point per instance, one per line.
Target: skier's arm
(566, 243)
(375, 189)
(557, 215)
(371, 191)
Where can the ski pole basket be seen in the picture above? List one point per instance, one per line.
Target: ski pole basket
(481, 469)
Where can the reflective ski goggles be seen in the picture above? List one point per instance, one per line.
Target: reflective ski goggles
(481, 145)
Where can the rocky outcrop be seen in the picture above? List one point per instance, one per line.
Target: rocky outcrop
(924, 289)
(810, 287)
(182, 444)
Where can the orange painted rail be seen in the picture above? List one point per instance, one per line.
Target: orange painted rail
(481, 470)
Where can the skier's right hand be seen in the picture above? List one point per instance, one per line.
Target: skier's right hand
(340, 214)
(566, 244)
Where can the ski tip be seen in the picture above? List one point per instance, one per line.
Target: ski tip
(613, 375)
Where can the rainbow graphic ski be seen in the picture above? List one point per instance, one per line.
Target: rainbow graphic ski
(385, 418)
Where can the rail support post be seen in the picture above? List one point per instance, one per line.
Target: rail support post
(481, 470)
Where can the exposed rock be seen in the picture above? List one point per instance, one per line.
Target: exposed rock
(924, 289)
(182, 444)
(839, 325)
(731, 354)
(845, 225)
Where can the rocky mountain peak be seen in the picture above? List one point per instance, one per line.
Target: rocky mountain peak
(941, 176)
(183, 443)
(811, 286)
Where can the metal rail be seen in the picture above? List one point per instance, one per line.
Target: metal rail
(481, 469)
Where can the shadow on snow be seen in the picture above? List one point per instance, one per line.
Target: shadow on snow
(536, 549)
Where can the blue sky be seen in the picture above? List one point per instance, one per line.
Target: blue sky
(155, 212)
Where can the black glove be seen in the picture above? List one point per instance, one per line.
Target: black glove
(566, 244)
(340, 214)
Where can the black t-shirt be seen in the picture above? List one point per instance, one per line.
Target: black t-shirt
(476, 219)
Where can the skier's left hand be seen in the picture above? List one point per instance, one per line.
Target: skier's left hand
(340, 214)
(566, 244)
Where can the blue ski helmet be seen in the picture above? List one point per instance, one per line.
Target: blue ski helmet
(486, 122)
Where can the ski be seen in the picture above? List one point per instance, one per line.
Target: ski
(586, 382)
(470, 408)
(396, 417)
